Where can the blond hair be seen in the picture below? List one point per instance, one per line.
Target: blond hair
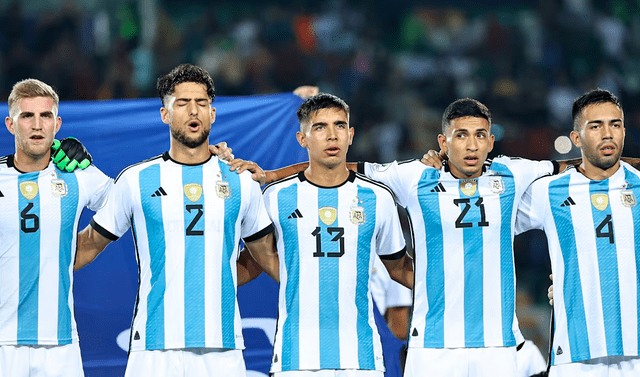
(30, 88)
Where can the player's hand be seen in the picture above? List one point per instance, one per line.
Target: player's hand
(550, 291)
(433, 159)
(306, 91)
(222, 151)
(69, 154)
(241, 165)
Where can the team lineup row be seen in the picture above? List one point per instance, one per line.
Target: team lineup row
(464, 217)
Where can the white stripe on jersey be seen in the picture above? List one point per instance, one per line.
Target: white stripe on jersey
(188, 222)
(36, 301)
(592, 230)
(464, 294)
(343, 335)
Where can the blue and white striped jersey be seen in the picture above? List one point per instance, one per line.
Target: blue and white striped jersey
(593, 232)
(187, 223)
(327, 238)
(464, 291)
(38, 230)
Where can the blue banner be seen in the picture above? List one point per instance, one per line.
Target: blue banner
(119, 133)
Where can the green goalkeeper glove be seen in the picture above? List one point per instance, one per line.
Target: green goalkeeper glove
(69, 154)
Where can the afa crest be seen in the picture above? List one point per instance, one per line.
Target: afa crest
(600, 201)
(356, 215)
(58, 188)
(496, 184)
(628, 198)
(223, 190)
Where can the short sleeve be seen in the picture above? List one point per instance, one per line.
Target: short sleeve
(389, 240)
(529, 216)
(115, 216)
(256, 222)
(97, 185)
(398, 176)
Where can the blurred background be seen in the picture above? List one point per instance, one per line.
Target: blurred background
(398, 65)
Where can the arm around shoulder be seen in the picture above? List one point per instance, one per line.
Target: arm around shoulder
(90, 244)
(264, 252)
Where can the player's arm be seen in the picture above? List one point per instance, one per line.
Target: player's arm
(248, 268)
(265, 255)
(400, 269)
(268, 176)
(90, 243)
(397, 318)
(635, 162)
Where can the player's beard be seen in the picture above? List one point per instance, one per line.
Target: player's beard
(190, 142)
(602, 162)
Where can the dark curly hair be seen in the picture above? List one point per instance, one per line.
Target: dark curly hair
(185, 73)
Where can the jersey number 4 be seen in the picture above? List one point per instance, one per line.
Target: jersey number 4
(338, 236)
(465, 206)
(608, 233)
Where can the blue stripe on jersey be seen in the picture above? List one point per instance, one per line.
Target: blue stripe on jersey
(152, 209)
(472, 223)
(68, 209)
(608, 268)
(228, 290)
(507, 272)
(29, 260)
(329, 283)
(194, 220)
(367, 199)
(634, 183)
(430, 206)
(287, 203)
(574, 302)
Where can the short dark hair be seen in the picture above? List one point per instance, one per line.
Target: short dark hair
(185, 73)
(592, 97)
(464, 107)
(317, 102)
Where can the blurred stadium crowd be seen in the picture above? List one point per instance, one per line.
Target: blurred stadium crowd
(398, 64)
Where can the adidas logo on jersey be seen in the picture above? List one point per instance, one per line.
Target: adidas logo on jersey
(136, 336)
(438, 188)
(159, 192)
(295, 214)
(559, 352)
(415, 332)
(1, 194)
(568, 202)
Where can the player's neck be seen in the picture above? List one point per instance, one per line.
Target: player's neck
(27, 164)
(185, 155)
(322, 175)
(595, 173)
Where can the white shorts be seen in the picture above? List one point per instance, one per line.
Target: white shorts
(612, 366)
(461, 362)
(330, 373)
(41, 361)
(190, 362)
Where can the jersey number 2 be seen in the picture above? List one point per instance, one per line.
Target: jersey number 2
(196, 218)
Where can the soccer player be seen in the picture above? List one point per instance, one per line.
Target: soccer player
(188, 213)
(591, 219)
(329, 224)
(41, 206)
(463, 217)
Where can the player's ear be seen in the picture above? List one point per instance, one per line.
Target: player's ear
(492, 140)
(351, 133)
(442, 142)
(58, 124)
(213, 115)
(575, 138)
(8, 121)
(302, 139)
(165, 116)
